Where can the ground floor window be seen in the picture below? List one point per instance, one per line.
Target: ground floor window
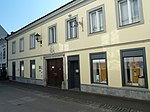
(98, 68)
(134, 67)
(21, 68)
(32, 69)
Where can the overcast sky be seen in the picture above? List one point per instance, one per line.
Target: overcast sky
(15, 14)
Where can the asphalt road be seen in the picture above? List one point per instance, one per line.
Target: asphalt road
(19, 100)
(15, 97)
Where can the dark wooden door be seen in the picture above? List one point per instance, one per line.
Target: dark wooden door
(13, 71)
(75, 75)
(55, 72)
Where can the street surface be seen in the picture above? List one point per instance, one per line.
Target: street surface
(17, 97)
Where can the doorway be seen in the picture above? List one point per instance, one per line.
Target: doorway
(73, 72)
(55, 72)
(13, 71)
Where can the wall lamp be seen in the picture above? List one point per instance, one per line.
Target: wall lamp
(38, 38)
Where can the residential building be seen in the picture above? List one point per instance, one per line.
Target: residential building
(3, 53)
(98, 46)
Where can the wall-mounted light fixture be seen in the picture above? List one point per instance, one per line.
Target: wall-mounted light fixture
(38, 38)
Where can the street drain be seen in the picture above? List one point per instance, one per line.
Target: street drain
(118, 108)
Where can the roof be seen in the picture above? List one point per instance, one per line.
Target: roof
(67, 8)
(3, 33)
(13, 33)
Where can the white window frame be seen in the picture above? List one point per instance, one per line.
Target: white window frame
(14, 47)
(99, 20)
(70, 29)
(32, 41)
(52, 34)
(131, 22)
(21, 44)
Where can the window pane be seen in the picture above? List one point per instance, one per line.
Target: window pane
(101, 26)
(124, 14)
(14, 47)
(52, 35)
(96, 21)
(134, 75)
(135, 10)
(72, 28)
(21, 68)
(32, 69)
(99, 71)
(94, 25)
(21, 44)
(32, 41)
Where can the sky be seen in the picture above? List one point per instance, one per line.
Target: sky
(15, 14)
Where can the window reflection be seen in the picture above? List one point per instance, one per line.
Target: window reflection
(134, 75)
(99, 71)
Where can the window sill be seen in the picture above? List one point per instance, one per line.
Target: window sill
(32, 48)
(96, 33)
(130, 25)
(99, 84)
(52, 43)
(21, 51)
(72, 39)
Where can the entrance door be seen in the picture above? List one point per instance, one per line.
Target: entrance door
(13, 71)
(55, 72)
(74, 72)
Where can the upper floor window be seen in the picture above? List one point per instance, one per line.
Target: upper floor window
(4, 53)
(129, 12)
(72, 28)
(32, 41)
(21, 44)
(96, 20)
(52, 34)
(14, 47)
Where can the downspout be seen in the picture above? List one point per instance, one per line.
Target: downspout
(7, 55)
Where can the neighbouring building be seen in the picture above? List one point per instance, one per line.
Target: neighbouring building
(97, 46)
(3, 53)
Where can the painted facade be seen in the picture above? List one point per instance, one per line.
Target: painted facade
(3, 53)
(95, 46)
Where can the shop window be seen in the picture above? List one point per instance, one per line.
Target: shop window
(21, 68)
(134, 68)
(32, 69)
(98, 68)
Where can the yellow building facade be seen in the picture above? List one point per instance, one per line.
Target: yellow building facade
(98, 46)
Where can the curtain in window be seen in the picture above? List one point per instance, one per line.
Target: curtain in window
(101, 26)
(32, 41)
(135, 10)
(52, 38)
(72, 29)
(124, 13)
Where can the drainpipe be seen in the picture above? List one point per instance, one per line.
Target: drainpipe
(7, 54)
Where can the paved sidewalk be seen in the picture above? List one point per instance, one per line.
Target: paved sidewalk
(114, 104)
